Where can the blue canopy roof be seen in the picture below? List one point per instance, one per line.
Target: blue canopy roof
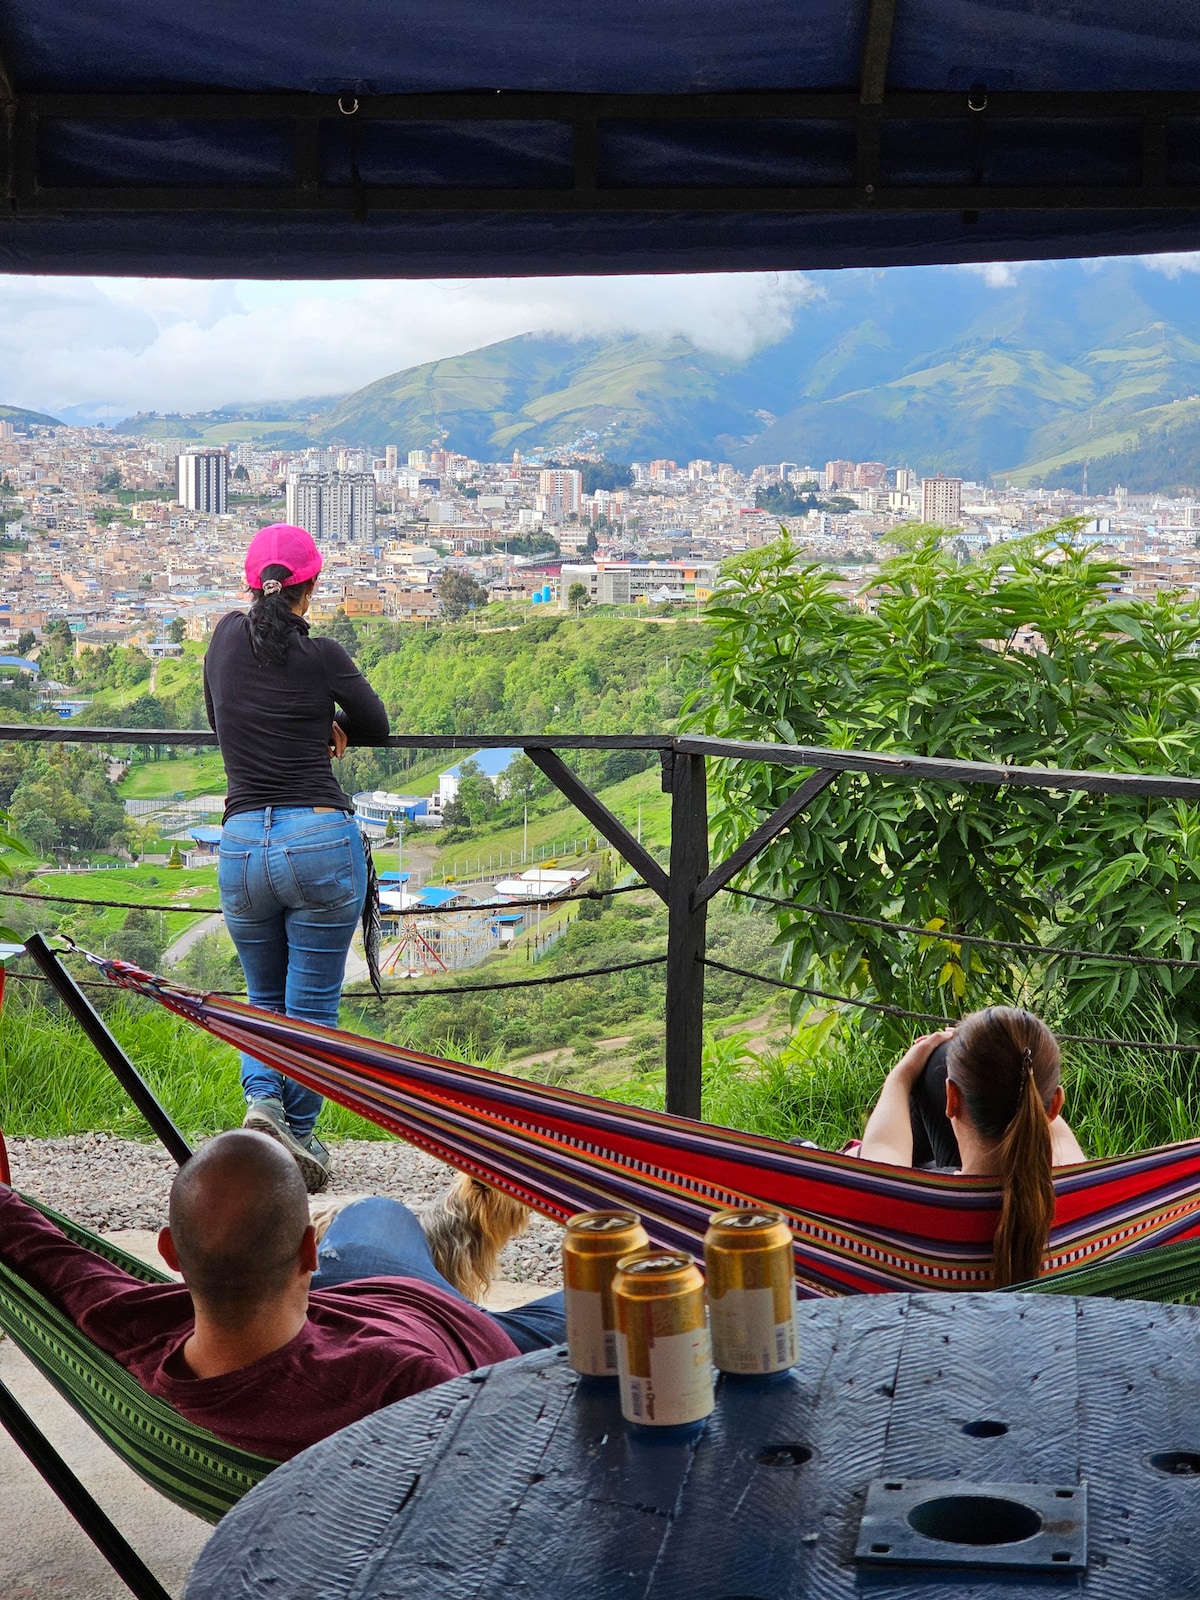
(385, 137)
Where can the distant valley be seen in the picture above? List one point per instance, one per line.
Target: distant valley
(936, 368)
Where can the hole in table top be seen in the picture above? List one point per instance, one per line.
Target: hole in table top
(977, 1519)
(1177, 1463)
(1061, 1555)
(880, 1549)
(985, 1428)
(784, 1455)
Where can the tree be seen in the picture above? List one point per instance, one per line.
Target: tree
(240, 475)
(111, 481)
(341, 628)
(147, 711)
(578, 596)
(175, 859)
(458, 593)
(26, 642)
(605, 475)
(937, 670)
(177, 630)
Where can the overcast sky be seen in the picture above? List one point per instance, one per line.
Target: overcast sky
(99, 348)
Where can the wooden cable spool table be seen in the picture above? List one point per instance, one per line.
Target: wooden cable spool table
(521, 1482)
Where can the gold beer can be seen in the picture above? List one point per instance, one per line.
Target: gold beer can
(751, 1291)
(663, 1353)
(592, 1245)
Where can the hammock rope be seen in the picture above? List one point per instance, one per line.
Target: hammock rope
(860, 1227)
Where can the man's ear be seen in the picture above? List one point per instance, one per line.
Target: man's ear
(954, 1100)
(308, 1250)
(166, 1249)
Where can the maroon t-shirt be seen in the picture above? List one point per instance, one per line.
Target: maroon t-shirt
(365, 1344)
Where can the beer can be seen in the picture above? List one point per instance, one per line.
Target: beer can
(751, 1291)
(663, 1354)
(592, 1245)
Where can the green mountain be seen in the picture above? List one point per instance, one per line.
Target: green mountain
(634, 396)
(1020, 374)
(26, 419)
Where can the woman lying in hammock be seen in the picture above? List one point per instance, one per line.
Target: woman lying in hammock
(984, 1099)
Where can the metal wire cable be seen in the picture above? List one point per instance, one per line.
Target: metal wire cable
(402, 994)
(940, 1021)
(409, 911)
(1126, 959)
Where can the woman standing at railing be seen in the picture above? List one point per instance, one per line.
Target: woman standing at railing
(293, 866)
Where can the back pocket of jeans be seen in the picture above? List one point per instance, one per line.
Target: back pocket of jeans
(233, 874)
(323, 873)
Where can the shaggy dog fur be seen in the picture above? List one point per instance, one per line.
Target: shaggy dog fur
(468, 1226)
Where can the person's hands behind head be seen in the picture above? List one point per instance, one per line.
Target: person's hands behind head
(339, 739)
(912, 1063)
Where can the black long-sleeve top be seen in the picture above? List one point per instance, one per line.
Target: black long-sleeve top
(273, 722)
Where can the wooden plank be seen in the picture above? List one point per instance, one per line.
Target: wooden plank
(998, 1359)
(444, 1540)
(777, 1528)
(686, 929)
(877, 48)
(321, 1516)
(924, 768)
(1139, 1371)
(763, 834)
(601, 818)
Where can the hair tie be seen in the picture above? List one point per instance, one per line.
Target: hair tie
(272, 586)
(1026, 1064)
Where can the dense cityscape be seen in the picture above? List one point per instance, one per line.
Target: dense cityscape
(121, 537)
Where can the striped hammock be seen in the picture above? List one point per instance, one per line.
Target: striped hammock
(860, 1227)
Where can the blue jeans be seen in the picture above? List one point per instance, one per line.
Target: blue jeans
(380, 1238)
(292, 884)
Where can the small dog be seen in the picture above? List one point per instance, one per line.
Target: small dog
(467, 1227)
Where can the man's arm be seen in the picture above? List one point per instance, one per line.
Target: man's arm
(111, 1307)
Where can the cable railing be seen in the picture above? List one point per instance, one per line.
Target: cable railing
(688, 882)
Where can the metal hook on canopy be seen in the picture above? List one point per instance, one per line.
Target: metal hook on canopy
(977, 97)
(347, 110)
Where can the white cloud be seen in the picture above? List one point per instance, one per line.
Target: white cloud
(996, 274)
(168, 344)
(1173, 265)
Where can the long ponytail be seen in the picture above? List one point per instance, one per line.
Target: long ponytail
(1007, 1066)
(271, 615)
(1026, 1171)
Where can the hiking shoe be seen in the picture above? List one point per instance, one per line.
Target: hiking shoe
(267, 1116)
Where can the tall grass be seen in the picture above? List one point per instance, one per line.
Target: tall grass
(52, 1082)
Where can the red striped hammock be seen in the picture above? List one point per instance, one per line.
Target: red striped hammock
(860, 1227)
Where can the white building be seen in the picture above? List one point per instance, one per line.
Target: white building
(622, 583)
(335, 507)
(492, 763)
(202, 478)
(941, 501)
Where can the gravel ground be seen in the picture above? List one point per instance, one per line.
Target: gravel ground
(108, 1183)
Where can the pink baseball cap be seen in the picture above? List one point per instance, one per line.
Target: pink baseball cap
(285, 546)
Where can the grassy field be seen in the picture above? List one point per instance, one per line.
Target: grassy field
(188, 775)
(164, 886)
(552, 824)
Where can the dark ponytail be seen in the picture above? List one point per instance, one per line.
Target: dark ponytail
(1007, 1066)
(272, 620)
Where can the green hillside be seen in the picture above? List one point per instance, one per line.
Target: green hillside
(27, 419)
(634, 395)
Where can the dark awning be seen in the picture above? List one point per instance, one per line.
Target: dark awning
(379, 137)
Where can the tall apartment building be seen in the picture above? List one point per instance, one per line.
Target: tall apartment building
(941, 501)
(202, 478)
(391, 458)
(839, 475)
(335, 507)
(565, 485)
(870, 475)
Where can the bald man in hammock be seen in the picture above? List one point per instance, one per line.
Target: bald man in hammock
(273, 1342)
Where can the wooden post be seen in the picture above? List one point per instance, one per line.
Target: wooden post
(687, 921)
